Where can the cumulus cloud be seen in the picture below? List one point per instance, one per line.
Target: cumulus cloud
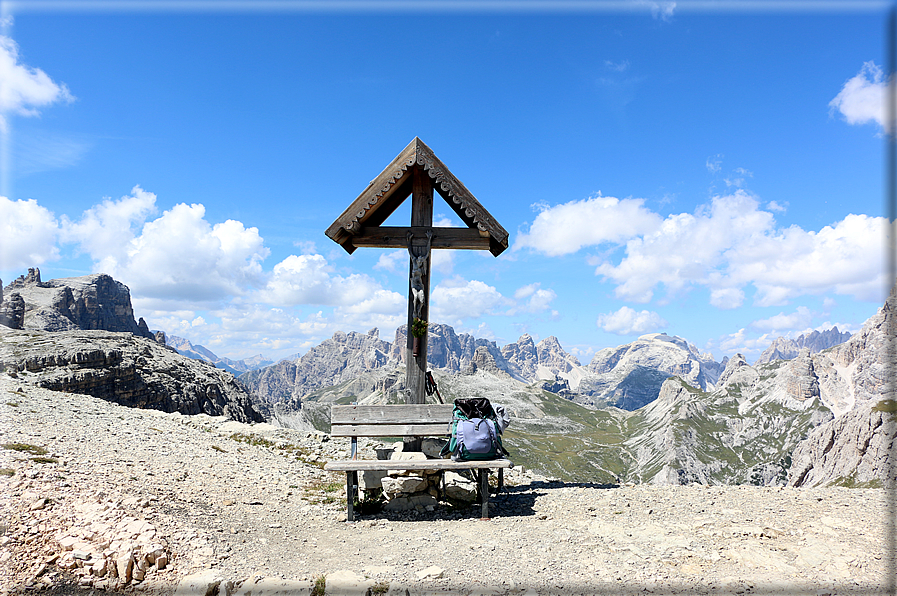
(862, 99)
(181, 256)
(733, 243)
(568, 227)
(726, 298)
(628, 321)
(533, 298)
(309, 279)
(23, 90)
(28, 234)
(105, 230)
(456, 299)
(393, 261)
(800, 319)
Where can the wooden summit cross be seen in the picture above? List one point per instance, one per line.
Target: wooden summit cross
(416, 171)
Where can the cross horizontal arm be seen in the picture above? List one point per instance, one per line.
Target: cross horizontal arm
(397, 237)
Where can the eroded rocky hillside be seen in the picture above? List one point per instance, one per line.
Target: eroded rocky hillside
(79, 335)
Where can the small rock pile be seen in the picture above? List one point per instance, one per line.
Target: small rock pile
(407, 490)
(107, 542)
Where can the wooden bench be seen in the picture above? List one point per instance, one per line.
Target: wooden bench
(411, 420)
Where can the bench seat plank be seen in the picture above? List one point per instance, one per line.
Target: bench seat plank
(366, 465)
(433, 429)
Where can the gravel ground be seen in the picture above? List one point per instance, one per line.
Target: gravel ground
(199, 501)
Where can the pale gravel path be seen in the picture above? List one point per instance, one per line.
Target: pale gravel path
(242, 511)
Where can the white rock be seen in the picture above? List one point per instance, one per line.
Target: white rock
(204, 583)
(432, 572)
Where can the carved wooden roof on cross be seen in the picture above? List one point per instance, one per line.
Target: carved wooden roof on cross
(360, 223)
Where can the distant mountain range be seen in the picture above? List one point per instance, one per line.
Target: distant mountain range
(198, 352)
(653, 410)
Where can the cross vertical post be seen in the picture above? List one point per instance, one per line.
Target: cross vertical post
(421, 217)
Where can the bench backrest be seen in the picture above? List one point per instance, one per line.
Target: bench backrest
(401, 420)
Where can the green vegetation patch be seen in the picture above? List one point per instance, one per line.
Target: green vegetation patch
(25, 448)
(886, 405)
(45, 460)
(320, 587)
(7, 472)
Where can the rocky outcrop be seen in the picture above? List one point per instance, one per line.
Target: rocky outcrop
(445, 348)
(89, 302)
(856, 449)
(125, 369)
(544, 361)
(12, 311)
(815, 341)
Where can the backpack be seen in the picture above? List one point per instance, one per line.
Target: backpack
(476, 434)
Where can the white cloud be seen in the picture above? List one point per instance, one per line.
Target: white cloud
(621, 66)
(392, 261)
(105, 230)
(862, 99)
(23, 90)
(536, 299)
(628, 321)
(714, 164)
(726, 298)
(732, 243)
(456, 299)
(800, 319)
(180, 255)
(740, 343)
(659, 10)
(776, 206)
(566, 228)
(28, 234)
(309, 279)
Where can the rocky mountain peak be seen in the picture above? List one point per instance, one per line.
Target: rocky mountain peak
(737, 371)
(89, 302)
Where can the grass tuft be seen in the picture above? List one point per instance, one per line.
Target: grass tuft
(25, 448)
(320, 587)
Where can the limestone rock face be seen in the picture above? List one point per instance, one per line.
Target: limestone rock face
(814, 341)
(631, 375)
(88, 302)
(856, 449)
(542, 361)
(12, 311)
(344, 357)
(125, 369)
(445, 348)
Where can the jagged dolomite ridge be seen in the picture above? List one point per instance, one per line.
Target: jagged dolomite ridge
(815, 341)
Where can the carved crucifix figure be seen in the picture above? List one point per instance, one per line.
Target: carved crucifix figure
(418, 271)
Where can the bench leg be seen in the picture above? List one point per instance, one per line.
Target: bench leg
(483, 484)
(351, 490)
(501, 479)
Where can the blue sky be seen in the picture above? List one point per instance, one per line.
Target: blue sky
(712, 174)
